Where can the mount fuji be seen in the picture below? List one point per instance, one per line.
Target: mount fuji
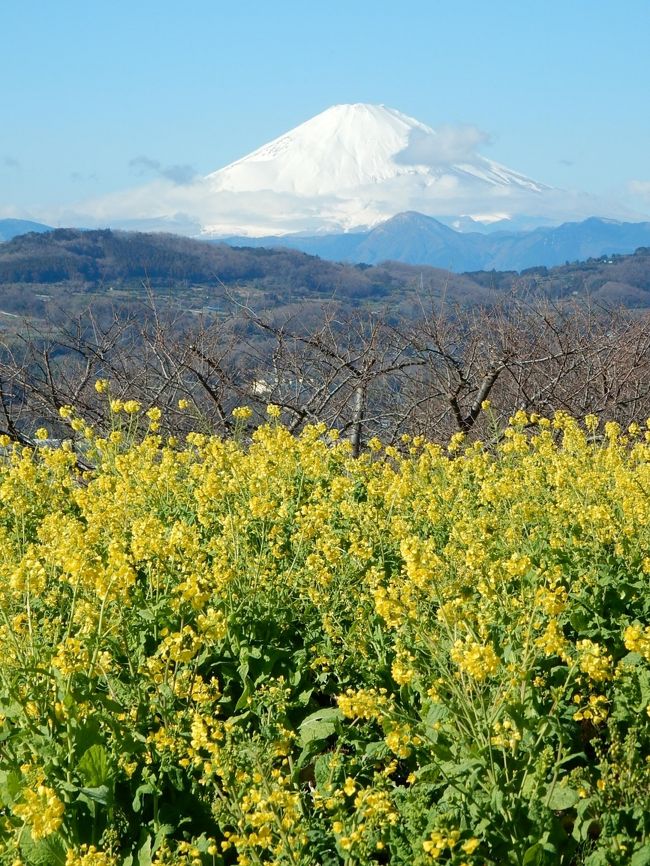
(347, 169)
(353, 166)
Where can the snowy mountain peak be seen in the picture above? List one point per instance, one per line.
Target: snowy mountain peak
(374, 160)
(344, 147)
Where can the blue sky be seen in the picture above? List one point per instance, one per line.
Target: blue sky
(96, 97)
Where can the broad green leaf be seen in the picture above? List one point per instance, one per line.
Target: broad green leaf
(144, 853)
(322, 770)
(10, 785)
(561, 797)
(94, 767)
(99, 794)
(243, 700)
(49, 851)
(533, 855)
(319, 725)
(641, 856)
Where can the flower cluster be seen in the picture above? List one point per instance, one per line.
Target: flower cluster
(41, 810)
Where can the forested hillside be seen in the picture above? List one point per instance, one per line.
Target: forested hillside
(62, 265)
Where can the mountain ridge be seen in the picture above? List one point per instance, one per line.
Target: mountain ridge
(415, 238)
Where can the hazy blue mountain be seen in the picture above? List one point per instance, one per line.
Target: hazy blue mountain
(12, 228)
(417, 239)
(568, 242)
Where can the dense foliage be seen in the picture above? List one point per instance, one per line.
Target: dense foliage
(265, 651)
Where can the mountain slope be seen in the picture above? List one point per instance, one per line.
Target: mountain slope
(10, 228)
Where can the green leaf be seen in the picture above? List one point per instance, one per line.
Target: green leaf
(243, 699)
(145, 788)
(533, 855)
(562, 797)
(94, 767)
(49, 851)
(377, 749)
(99, 794)
(319, 725)
(144, 853)
(164, 830)
(10, 786)
(435, 712)
(304, 697)
(322, 770)
(641, 856)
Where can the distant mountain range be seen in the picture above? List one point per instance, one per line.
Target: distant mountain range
(417, 239)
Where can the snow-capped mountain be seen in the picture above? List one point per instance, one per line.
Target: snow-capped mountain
(347, 169)
(352, 146)
(353, 166)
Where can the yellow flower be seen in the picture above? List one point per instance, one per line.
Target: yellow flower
(471, 845)
(593, 661)
(637, 639)
(41, 810)
(101, 386)
(273, 411)
(476, 660)
(242, 413)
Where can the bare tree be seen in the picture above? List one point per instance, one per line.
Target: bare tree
(362, 374)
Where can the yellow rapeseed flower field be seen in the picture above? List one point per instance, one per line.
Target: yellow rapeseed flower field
(269, 652)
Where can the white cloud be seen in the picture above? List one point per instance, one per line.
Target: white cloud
(448, 145)
(640, 188)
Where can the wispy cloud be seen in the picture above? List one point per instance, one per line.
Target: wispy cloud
(567, 162)
(11, 162)
(640, 188)
(178, 174)
(80, 177)
(446, 146)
